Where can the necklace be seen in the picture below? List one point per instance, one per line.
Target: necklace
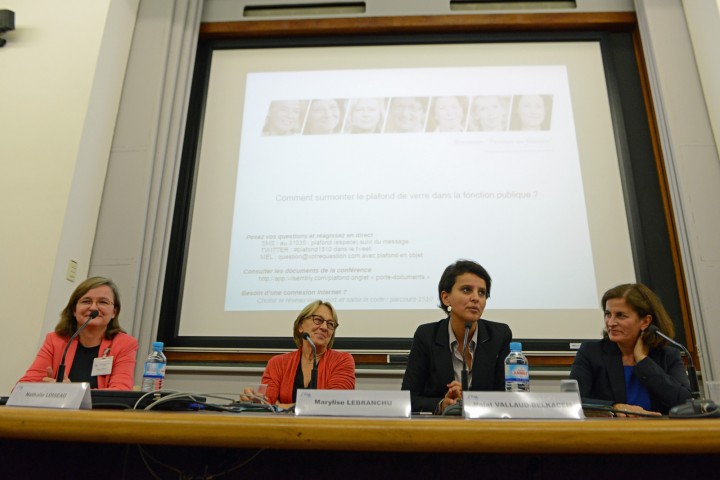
(310, 360)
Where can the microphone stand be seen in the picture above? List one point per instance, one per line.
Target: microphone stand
(456, 409)
(61, 368)
(313, 375)
(691, 372)
(464, 375)
(697, 406)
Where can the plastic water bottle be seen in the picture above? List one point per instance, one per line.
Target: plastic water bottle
(154, 373)
(517, 371)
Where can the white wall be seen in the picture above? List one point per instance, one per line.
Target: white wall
(62, 70)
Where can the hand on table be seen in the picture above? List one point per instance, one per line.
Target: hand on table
(633, 408)
(50, 378)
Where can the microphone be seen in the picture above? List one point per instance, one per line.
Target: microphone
(61, 369)
(691, 372)
(696, 407)
(313, 375)
(464, 375)
(456, 409)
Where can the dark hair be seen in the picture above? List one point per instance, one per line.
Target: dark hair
(643, 301)
(449, 276)
(68, 323)
(306, 312)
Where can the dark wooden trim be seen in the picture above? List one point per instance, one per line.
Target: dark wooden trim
(368, 359)
(226, 359)
(684, 300)
(608, 21)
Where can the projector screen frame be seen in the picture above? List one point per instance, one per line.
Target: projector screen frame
(655, 252)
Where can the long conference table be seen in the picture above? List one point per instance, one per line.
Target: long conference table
(109, 442)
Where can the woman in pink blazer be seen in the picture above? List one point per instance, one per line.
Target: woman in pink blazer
(102, 354)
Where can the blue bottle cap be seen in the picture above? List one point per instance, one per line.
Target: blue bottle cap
(158, 345)
(515, 347)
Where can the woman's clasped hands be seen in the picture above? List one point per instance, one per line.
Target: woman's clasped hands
(453, 395)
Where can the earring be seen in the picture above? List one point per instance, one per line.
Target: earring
(449, 309)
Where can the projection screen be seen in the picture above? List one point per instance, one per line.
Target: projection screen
(356, 174)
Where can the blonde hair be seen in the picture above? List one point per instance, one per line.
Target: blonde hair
(306, 312)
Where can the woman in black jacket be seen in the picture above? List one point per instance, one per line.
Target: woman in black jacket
(434, 368)
(632, 368)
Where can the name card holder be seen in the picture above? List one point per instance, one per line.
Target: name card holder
(522, 405)
(353, 403)
(71, 396)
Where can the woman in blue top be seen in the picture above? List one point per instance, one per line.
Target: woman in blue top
(631, 368)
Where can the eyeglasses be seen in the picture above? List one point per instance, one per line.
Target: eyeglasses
(318, 320)
(100, 302)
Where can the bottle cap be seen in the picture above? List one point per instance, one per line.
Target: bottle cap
(158, 345)
(515, 347)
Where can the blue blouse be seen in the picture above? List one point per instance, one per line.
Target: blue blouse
(637, 394)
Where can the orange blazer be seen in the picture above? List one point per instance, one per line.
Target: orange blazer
(123, 349)
(336, 371)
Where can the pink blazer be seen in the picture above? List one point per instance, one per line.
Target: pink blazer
(123, 349)
(336, 371)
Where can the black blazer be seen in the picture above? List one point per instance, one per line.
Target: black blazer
(430, 369)
(599, 371)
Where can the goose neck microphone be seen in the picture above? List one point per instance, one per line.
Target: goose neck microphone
(696, 407)
(464, 377)
(692, 373)
(61, 368)
(313, 376)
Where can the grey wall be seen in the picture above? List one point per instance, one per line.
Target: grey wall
(134, 223)
(691, 157)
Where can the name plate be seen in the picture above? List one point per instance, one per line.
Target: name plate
(353, 403)
(73, 396)
(522, 405)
